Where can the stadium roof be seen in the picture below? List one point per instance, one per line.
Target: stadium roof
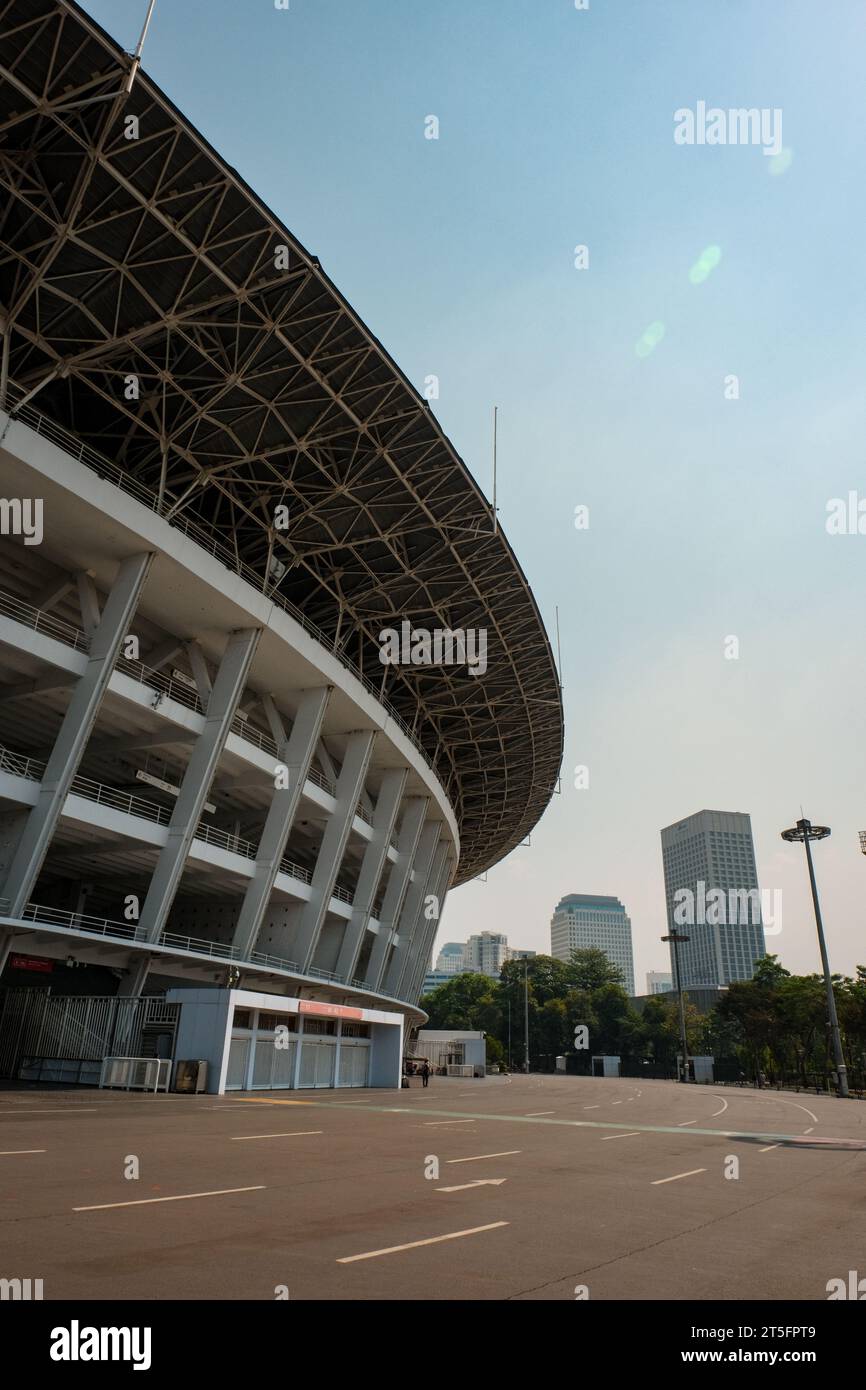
(259, 386)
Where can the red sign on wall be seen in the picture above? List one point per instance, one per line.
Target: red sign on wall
(311, 1006)
(30, 963)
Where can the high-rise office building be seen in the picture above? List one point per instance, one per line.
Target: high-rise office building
(711, 887)
(584, 920)
(486, 953)
(451, 960)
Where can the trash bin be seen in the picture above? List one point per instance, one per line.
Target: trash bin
(190, 1076)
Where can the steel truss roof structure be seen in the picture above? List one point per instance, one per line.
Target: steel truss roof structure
(150, 257)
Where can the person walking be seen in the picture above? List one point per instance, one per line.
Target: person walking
(425, 1073)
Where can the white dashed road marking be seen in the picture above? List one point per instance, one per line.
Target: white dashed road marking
(182, 1197)
(676, 1177)
(287, 1134)
(414, 1244)
(475, 1157)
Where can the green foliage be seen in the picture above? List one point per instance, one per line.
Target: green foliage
(776, 1022)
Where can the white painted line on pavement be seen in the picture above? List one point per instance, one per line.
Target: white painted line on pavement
(183, 1197)
(592, 1107)
(287, 1134)
(683, 1123)
(479, 1182)
(809, 1130)
(530, 1114)
(616, 1102)
(505, 1153)
(630, 1135)
(676, 1177)
(769, 1147)
(414, 1244)
(435, 1124)
(80, 1110)
(6, 1153)
(723, 1109)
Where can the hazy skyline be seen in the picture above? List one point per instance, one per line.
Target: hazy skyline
(707, 514)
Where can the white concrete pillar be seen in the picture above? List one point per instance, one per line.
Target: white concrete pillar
(398, 881)
(411, 905)
(438, 888)
(75, 730)
(375, 856)
(132, 983)
(207, 750)
(359, 746)
(417, 930)
(296, 754)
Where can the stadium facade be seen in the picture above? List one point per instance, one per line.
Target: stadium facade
(216, 491)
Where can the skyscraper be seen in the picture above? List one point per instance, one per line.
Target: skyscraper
(711, 887)
(584, 920)
(451, 960)
(486, 953)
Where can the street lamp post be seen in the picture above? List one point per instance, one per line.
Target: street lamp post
(526, 1010)
(676, 938)
(804, 830)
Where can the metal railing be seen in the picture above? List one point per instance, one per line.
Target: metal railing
(213, 836)
(41, 621)
(31, 768)
(165, 507)
(126, 802)
(243, 729)
(215, 950)
(320, 780)
(178, 691)
(295, 871)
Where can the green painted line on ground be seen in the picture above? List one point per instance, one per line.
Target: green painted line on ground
(802, 1141)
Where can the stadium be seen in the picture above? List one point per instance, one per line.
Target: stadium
(220, 807)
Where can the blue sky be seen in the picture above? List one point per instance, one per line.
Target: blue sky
(707, 515)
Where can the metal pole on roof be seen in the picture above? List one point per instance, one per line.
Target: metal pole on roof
(136, 57)
(495, 421)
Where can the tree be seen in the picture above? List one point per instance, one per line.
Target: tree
(461, 1002)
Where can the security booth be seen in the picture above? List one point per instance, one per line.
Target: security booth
(605, 1066)
(269, 1042)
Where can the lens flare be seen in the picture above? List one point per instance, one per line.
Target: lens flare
(650, 339)
(707, 261)
(781, 162)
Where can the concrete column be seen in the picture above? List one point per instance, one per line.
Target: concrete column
(349, 783)
(398, 882)
(207, 750)
(296, 753)
(439, 888)
(375, 857)
(7, 941)
(132, 983)
(417, 930)
(75, 730)
(412, 904)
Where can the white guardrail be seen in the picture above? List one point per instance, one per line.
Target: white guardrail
(135, 1073)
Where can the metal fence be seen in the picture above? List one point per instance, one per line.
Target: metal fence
(35, 1023)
